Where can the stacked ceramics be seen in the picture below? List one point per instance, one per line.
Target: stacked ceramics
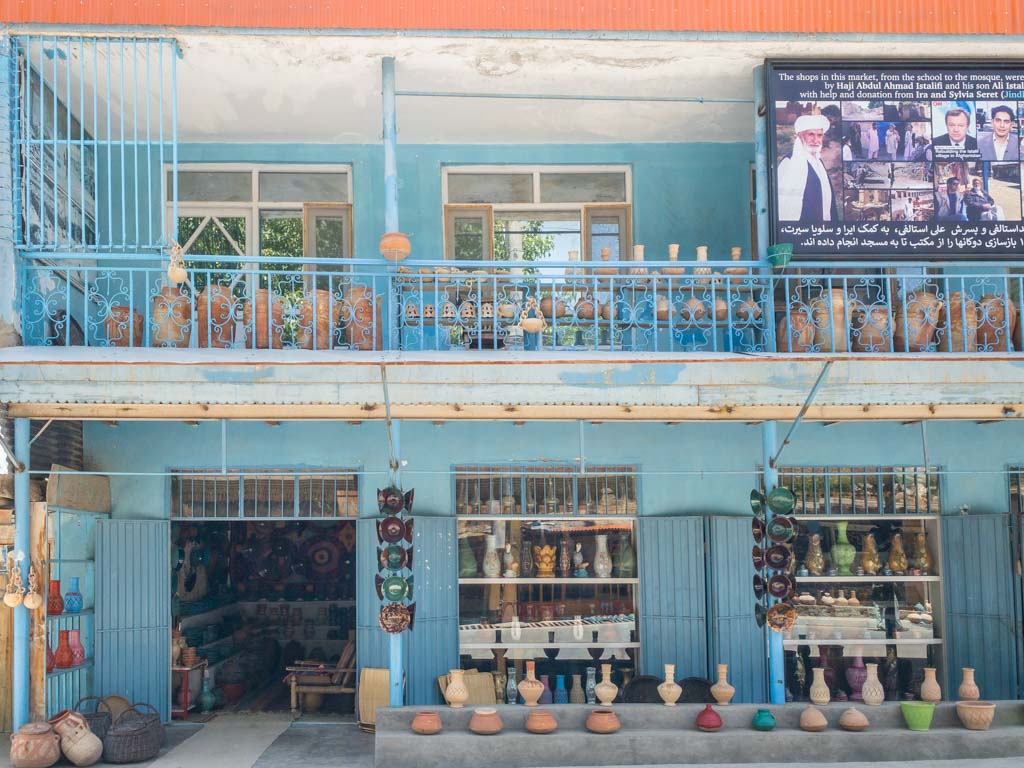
(394, 578)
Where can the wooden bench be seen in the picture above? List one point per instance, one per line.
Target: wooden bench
(307, 676)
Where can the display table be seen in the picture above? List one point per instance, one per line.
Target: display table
(181, 711)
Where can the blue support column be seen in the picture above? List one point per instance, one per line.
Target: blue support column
(776, 651)
(20, 671)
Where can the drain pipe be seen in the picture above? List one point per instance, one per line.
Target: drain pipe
(22, 516)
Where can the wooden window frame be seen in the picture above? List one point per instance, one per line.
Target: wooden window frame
(625, 235)
(451, 210)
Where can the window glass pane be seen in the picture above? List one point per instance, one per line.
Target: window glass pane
(212, 241)
(212, 186)
(292, 187)
(536, 235)
(493, 188)
(329, 236)
(467, 237)
(281, 236)
(605, 232)
(583, 187)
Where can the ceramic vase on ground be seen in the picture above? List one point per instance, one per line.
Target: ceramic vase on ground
(606, 690)
(872, 693)
(602, 721)
(856, 674)
(670, 690)
(959, 322)
(81, 746)
(763, 720)
(77, 649)
(214, 308)
(930, 690)
(708, 720)
(560, 695)
(590, 690)
(794, 333)
(266, 324)
(853, 720)
(492, 563)
(721, 690)
(63, 656)
(485, 722)
(920, 314)
(576, 694)
(35, 745)
(968, 690)
(602, 558)
(426, 723)
(541, 721)
(207, 699)
(530, 688)
(812, 720)
(976, 715)
(456, 694)
(820, 694)
(511, 691)
(995, 328)
(545, 695)
(73, 598)
(54, 602)
(123, 326)
(843, 552)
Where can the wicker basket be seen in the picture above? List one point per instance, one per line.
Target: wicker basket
(99, 719)
(132, 737)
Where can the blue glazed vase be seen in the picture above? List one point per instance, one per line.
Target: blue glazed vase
(561, 695)
(73, 598)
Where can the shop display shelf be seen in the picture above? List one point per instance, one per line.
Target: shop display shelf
(541, 517)
(557, 580)
(870, 517)
(864, 579)
(87, 664)
(77, 614)
(908, 641)
(597, 644)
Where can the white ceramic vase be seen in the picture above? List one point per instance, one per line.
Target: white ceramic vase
(872, 691)
(820, 693)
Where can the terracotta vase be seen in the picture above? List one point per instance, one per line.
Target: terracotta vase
(602, 721)
(485, 722)
(721, 690)
(551, 307)
(820, 694)
(35, 745)
(872, 692)
(708, 720)
(63, 656)
(869, 329)
(172, 318)
(119, 332)
(585, 308)
(51, 660)
(361, 317)
(915, 322)
(968, 690)
(997, 320)
(54, 602)
(830, 329)
(959, 321)
(541, 721)
(853, 720)
(930, 690)
(327, 316)
(692, 311)
(426, 723)
(77, 649)
(82, 747)
(812, 720)
(269, 309)
(456, 694)
(214, 319)
(794, 333)
(606, 690)
(395, 246)
(530, 688)
(670, 691)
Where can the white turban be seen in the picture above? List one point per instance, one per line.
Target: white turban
(811, 123)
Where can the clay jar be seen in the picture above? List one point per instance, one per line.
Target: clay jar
(63, 656)
(870, 329)
(994, 327)
(213, 317)
(485, 722)
(820, 693)
(82, 747)
(795, 333)
(172, 318)
(708, 720)
(426, 723)
(968, 690)
(602, 721)
(551, 307)
(541, 721)
(119, 332)
(830, 332)
(872, 692)
(722, 691)
(456, 694)
(530, 688)
(812, 720)
(268, 325)
(66, 721)
(930, 690)
(361, 317)
(327, 315)
(959, 322)
(853, 720)
(35, 745)
(920, 313)
(976, 715)
(606, 690)
(54, 602)
(670, 691)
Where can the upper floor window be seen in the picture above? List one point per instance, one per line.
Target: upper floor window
(523, 213)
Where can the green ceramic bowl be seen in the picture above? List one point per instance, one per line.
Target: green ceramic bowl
(917, 714)
(780, 255)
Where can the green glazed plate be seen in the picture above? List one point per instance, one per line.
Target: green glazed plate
(395, 588)
(757, 503)
(781, 501)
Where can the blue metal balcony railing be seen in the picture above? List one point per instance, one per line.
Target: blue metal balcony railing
(330, 304)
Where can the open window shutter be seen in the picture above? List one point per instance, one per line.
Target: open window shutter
(980, 618)
(673, 606)
(133, 611)
(607, 225)
(735, 638)
(468, 232)
(371, 640)
(433, 643)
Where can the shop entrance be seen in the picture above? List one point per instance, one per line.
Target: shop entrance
(263, 572)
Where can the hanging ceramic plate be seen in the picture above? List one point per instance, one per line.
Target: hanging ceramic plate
(395, 589)
(781, 501)
(781, 586)
(757, 555)
(778, 557)
(392, 557)
(781, 617)
(759, 586)
(759, 614)
(780, 529)
(394, 618)
(757, 503)
(757, 528)
(391, 529)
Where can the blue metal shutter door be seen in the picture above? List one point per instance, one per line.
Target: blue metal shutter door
(133, 611)
(673, 607)
(371, 640)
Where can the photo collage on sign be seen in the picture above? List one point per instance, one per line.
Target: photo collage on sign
(899, 161)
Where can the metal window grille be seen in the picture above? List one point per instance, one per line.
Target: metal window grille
(868, 491)
(263, 494)
(552, 490)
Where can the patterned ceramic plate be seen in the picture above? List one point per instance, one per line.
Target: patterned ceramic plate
(781, 501)
(778, 557)
(391, 529)
(759, 586)
(757, 555)
(394, 618)
(757, 503)
(781, 586)
(780, 529)
(781, 617)
(757, 528)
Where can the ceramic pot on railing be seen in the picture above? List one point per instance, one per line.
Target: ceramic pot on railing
(119, 332)
(172, 318)
(361, 317)
(586, 308)
(919, 312)
(551, 307)
(997, 323)
(959, 321)
(869, 328)
(214, 317)
(268, 325)
(795, 333)
(830, 329)
(327, 314)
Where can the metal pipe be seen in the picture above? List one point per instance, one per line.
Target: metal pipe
(22, 520)
(573, 97)
(773, 641)
(390, 144)
(39, 434)
(803, 412)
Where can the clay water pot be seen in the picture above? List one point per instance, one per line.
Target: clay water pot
(930, 690)
(361, 316)
(530, 688)
(172, 318)
(721, 690)
(214, 317)
(82, 747)
(66, 721)
(585, 308)
(456, 694)
(670, 690)
(959, 321)
(485, 722)
(328, 314)
(812, 720)
(541, 721)
(721, 309)
(976, 715)
(119, 333)
(35, 745)
(692, 311)
(869, 329)
(830, 331)
(63, 656)
(662, 309)
(920, 313)
(795, 334)
(426, 723)
(395, 246)
(968, 690)
(551, 307)
(606, 690)
(602, 721)
(853, 720)
(748, 311)
(54, 602)
(997, 322)
(708, 720)
(269, 320)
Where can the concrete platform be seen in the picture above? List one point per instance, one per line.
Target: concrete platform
(658, 735)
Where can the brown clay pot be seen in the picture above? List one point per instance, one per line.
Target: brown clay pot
(66, 721)
(585, 308)
(485, 722)
(541, 721)
(213, 317)
(959, 321)
(920, 312)
(748, 311)
(361, 317)
(426, 723)
(830, 331)
(869, 329)
(721, 309)
(997, 320)
(35, 745)
(602, 721)
(550, 307)
(692, 311)
(795, 334)
(328, 313)
(119, 333)
(172, 318)
(267, 303)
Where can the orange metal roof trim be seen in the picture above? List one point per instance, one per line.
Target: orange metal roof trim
(805, 16)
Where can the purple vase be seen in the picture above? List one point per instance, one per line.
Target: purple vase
(829, 673)
(856, 674)
(545, 697)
